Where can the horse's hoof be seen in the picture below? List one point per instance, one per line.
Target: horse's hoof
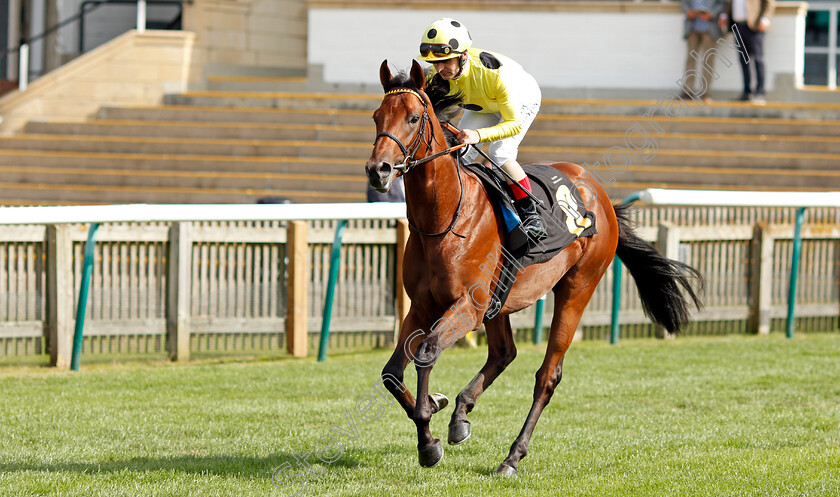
(439, 402)
(431, 455)
(505, 470)
(459, 433)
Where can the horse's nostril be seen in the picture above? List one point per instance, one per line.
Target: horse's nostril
(385, 168)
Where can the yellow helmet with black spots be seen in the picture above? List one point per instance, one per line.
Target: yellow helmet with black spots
(444, 39)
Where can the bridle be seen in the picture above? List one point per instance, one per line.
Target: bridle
(410, 163)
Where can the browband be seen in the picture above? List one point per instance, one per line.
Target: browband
(407, 90)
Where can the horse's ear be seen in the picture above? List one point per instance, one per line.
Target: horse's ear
(384, 74)
(417, 76)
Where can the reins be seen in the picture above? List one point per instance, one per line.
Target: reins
(410, 163)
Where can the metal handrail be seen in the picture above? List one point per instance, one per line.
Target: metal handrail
(97, 3)
(23, 47)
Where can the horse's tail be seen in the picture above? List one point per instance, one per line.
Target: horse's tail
(663, 283)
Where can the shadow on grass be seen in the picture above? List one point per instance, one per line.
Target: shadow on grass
(222, 465)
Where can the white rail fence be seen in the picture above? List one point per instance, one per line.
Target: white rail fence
(223, 278)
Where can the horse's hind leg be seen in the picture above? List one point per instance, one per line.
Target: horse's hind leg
(501, 351)
(571, 295)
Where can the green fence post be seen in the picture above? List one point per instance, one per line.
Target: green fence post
(81, 305)
(616, 300)
(328, 299)
(538, 321)
(794, 271)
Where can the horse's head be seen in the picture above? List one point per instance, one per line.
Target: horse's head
(401, 123)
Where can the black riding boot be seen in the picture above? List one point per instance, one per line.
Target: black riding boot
(531, 221)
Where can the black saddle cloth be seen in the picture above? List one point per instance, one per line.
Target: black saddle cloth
(564, 215)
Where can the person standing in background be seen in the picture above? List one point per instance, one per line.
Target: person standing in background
(752, 19)
(701, 31)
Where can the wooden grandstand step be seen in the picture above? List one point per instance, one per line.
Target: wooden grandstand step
(24, 174)
(183, 162)
(236, 146)
(332, 174)
(82, 193)
(361, 150)
(298, 100)
(545, 121)
(535, 137)
(126, 144)
(204, 130)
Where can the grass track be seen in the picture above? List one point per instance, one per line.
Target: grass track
(733, 416)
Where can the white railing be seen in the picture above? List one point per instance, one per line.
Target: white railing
(142, 213)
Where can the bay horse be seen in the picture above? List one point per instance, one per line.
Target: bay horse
(453, 230)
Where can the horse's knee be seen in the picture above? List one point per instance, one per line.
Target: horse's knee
(427, 353)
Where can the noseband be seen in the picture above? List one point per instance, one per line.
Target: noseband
(410, 163)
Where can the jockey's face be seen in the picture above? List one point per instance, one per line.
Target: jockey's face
(448, 68)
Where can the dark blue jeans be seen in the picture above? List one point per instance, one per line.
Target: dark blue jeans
(754, 45)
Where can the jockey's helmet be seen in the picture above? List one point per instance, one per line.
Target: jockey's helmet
(444, 39)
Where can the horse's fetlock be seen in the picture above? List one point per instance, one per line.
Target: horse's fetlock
(465, 400)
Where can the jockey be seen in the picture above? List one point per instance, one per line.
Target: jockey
(500, 100)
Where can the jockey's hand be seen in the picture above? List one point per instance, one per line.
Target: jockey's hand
(468, 136)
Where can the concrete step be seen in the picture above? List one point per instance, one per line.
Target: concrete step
(85, 193)
(290, 100)
(300, 84)
(187, 163)
(731, 177)
(544, 121)
(201, 130)
(711, 158)
(191, 179)
(335, 175)
(688, 124)
(774, 110)
(246, 131)
(360, 151)
(339, 117)
(189, 146)
(684, 141)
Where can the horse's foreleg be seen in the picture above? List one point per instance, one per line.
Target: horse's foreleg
(392, 373)
(571, 297)
(445, 332)
(501, 351)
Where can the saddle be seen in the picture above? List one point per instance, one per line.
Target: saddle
(564, 216)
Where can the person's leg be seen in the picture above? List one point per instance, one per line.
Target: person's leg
(758, 60)
(745, 33)
(504, 153)
(693, 42)
(707, 68)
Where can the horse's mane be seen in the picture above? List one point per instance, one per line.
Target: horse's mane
(446, 107)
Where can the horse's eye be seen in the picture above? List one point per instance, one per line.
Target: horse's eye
(414, 119)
